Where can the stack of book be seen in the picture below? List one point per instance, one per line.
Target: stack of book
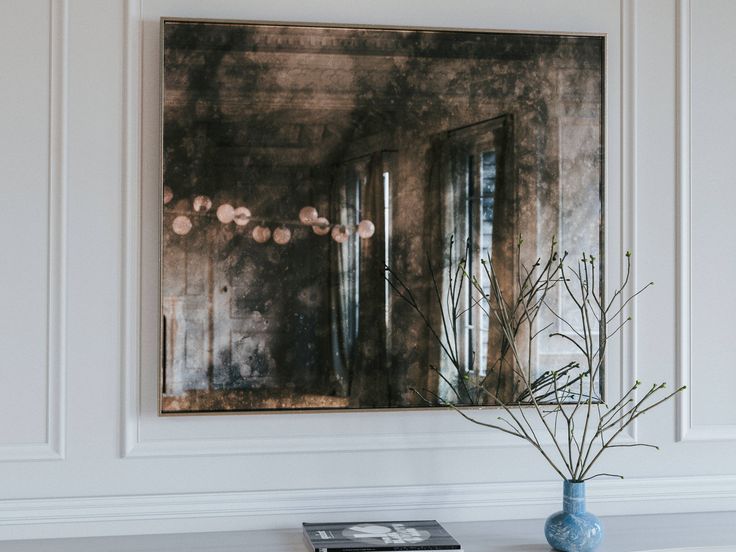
(379, 536)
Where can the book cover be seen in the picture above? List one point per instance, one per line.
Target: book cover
(379, 536)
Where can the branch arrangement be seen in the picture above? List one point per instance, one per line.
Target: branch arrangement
(560, 412)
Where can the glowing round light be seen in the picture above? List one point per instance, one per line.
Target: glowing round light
(282, 235)
(225, 213)
(241, 215)
(202, 203)
(308, 215)
(261, 234)
(366, 229)
(324, 226)
(340, 234)
(181, 225)
(168, 195)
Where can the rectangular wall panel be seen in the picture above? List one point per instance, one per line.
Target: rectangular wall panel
(146, 433)
(25, 141)
(712, 203)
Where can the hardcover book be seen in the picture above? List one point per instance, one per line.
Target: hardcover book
(379, 536)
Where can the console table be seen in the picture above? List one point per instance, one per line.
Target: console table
(714, 532)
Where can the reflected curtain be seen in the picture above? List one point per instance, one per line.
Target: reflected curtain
(342, 281)
(371, 385)
(357, 286)
(501, 378)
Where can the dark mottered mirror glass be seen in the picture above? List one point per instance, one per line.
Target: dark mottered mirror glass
(299, 161)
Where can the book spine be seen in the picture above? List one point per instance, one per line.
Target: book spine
(419, 548)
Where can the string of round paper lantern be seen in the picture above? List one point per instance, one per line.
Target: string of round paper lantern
(261, 233)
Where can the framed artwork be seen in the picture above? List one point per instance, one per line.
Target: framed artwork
(299, 160)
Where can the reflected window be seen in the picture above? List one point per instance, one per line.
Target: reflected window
(476, 157)
(481, 190)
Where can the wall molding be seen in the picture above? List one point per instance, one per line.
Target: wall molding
(628, 192)
(276, 509)
(57, 229)
(131, 219)
(326, 444)
(684, 415)
(134, 413)
(686, 430)
(53, 446)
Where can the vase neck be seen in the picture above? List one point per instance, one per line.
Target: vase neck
(573, 497)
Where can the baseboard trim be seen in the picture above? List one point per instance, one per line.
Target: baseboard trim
(279, 509)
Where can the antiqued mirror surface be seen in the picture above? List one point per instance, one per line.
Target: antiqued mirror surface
(298, 161)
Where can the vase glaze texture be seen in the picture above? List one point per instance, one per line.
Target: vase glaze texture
(573, 529)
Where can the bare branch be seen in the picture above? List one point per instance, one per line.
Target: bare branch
(564, 403)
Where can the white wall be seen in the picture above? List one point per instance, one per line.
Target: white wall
(82, 448)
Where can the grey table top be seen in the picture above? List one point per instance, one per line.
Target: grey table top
(714, 532)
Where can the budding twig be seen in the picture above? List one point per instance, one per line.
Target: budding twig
(555, 401)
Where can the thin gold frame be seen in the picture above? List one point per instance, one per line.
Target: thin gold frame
(603, 187)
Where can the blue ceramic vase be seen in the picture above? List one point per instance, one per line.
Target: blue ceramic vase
(573, 529)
